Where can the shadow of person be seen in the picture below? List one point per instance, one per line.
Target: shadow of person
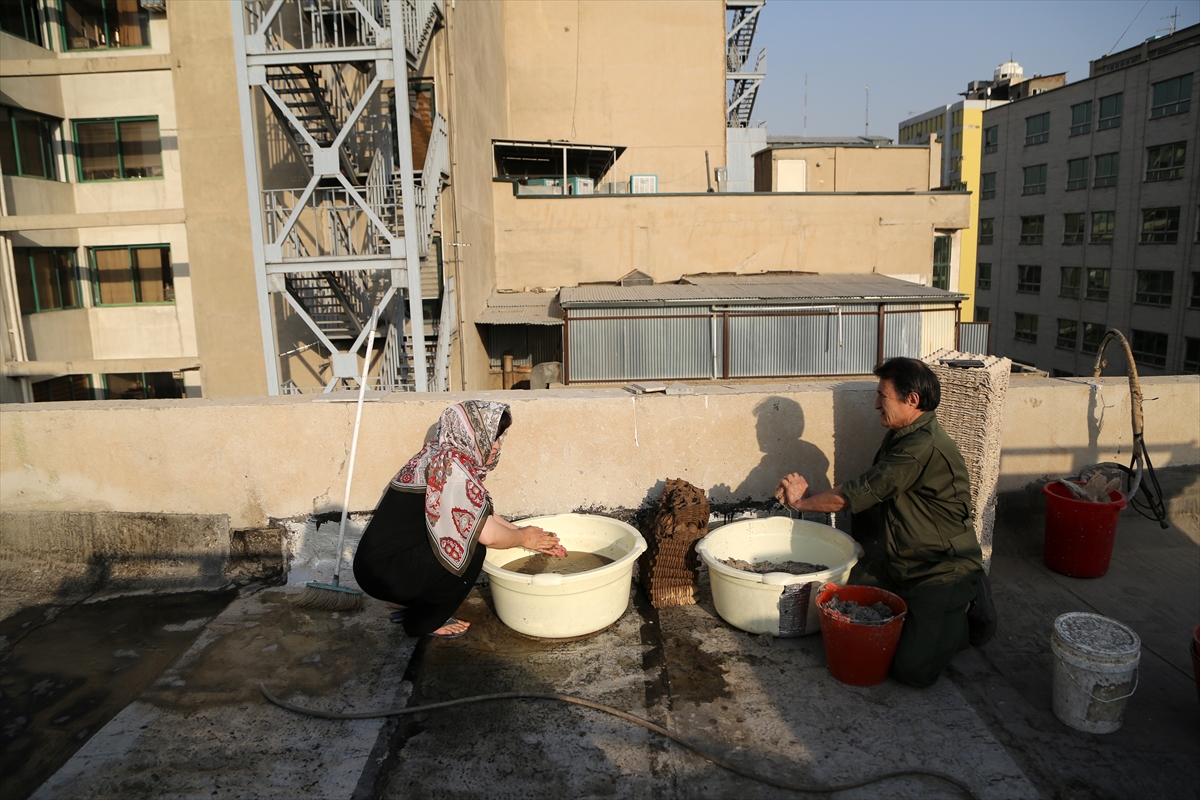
(780, 426)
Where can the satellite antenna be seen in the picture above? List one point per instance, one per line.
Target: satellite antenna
(867, 127)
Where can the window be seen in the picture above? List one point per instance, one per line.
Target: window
(1165, 162)
(986, 229)
(1097, 283)
(1035, 180)
(68, 387)
(128, 275)
(1191, 356)
(941, 262)
(1073, 228)
(1077, 174)
(1093, 335)
(99, 24)
(987, 186)
(958, 118)
(45, 279)
(1110, 112)
(21, 19)
(1032, 229)
(1068, 283)
(956, 164)
(1062, 373)
(1149, 348)
(26, 144)
(1068, 334)
(1106, 169)
(982, 314)
(991, 139)
(983, 276)
(1081, 118)
(1029, 278)
(1194, 300)
(143, 385)
(1154, 287)
(1103, 223)
(1026, 328)
(1037, 129)
(1171, 97)
(119, 149)
(1160, 225)
(956, 141)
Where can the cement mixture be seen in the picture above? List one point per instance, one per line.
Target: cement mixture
(763, 567)
(570, 564)
(874, 614)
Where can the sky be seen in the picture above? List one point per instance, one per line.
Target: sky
(917, 55)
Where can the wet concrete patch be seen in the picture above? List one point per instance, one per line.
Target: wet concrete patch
(64, 673)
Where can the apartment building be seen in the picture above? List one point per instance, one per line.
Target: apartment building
(1088, 214)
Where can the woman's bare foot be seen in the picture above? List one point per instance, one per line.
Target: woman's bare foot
(534, 538)
(396, 606)
(452, 627)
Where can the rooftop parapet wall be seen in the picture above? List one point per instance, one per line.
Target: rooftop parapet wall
(564, 241)
(286, 457)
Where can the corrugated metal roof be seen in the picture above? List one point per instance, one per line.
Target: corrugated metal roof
(773, 290)
(522, 308)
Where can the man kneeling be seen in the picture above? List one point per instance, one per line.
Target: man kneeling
(912, 511)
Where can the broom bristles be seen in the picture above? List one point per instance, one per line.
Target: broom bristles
(324, 597)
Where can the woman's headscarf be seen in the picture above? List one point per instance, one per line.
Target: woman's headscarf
(450, 470)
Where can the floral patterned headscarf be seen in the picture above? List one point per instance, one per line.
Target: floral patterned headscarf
(450, 470)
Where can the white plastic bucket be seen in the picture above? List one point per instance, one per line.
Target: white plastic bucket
(777, 603)
(556, 606)
(1095, 670)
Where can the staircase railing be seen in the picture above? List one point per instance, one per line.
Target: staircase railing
(420, 21)
(317, 24)
(330, 223)
(433, 175)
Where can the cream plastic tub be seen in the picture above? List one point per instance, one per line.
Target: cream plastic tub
(558, 606)
(777, 603)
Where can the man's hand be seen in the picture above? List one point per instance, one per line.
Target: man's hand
(791, 490)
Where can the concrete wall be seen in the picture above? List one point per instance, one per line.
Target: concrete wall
(854, 169)
(649, 76)
(563, 241)
(568, 449)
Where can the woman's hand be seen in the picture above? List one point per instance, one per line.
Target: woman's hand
(543, 541)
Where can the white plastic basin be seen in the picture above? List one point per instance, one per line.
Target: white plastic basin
(777, 603)
(558, 606)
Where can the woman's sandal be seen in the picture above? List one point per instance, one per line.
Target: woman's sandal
(451, 621)
(397, 616)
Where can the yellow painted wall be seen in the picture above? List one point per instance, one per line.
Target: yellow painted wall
(972, 150)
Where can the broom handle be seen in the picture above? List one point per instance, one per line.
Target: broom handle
(362, 391)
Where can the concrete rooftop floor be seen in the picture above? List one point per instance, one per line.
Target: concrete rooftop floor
(200, 728)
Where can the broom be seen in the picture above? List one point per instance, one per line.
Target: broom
(334, 596)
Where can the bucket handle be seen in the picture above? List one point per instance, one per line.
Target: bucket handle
(1088, 691)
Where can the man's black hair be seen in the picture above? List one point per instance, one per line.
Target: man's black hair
(909, 375)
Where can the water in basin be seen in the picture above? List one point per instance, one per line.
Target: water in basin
(570, 564)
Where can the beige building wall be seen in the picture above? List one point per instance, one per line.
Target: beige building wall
(850, 169)
(648, 76)
(564, 241)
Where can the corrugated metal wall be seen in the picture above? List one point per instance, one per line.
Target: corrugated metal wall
(643, 344)
(802, 344)
(914, 330)
(975, 337)
(529, 344)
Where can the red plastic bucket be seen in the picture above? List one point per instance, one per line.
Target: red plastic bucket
(1079, 533)
(860, 655)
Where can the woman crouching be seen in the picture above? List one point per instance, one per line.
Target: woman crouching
(426, 542)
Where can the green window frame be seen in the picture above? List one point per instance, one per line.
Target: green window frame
(63, 389)
(987, 186)
(1173, 96)
(1026, 328)
(1068, 334)
(128, 275)
(1077, 174)
(1037, 128)
(1160, 225)
(118, 149)
(1191, 355)
(1103, 226)
(991, 139)
(1068, 281)
(1098, 282)
(23, 19)
(1074, 228)
(103, 25)
(1035, 180)
(143, 385)
(1155, 287)
(1033, 229)
(27, 144)
(987, 227)
(47, 279)
(942, 248)
(1110, 111)
(1165, 161)
(1081, 118)
(1149, 348)
(1106, 170)
(1029, 278)
(983, 275)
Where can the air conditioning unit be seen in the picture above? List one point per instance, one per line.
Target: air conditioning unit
(643, 184)
(580, 186)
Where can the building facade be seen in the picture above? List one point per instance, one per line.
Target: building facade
(1088, 214)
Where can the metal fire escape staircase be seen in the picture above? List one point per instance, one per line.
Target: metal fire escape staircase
(743, 22)
(346, 248)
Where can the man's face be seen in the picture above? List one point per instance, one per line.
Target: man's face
(895, 412)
